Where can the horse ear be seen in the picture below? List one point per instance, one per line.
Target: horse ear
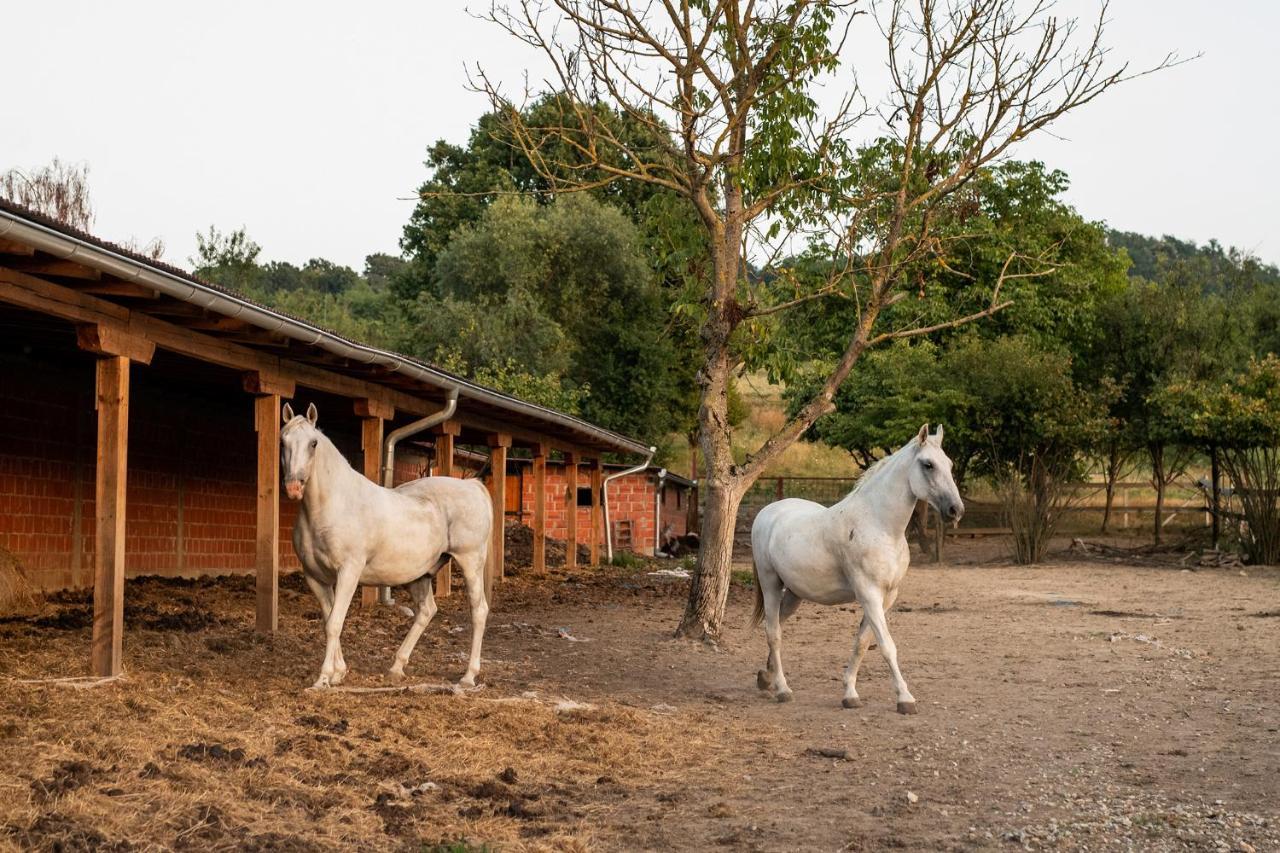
(923, 435)
(313, 414)
(286, 414)
(937, 436)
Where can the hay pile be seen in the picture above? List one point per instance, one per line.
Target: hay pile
(16, 596)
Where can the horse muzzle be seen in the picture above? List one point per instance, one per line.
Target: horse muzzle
(952, 511)
(293, 488)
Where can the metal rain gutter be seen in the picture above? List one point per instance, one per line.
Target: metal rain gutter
(608, 533)
(70, 247)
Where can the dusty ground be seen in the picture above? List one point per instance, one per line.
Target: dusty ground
(1070, 706)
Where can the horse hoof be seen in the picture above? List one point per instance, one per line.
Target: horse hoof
(322, 683)
(854, 702)
(395, 674)
(763, 681)
(338, 678)
(907, 708)
(784, 696)
(468, 681)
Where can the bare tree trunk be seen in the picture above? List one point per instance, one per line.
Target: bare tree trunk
(709, 589)
(1158, 481)
(1113, 475)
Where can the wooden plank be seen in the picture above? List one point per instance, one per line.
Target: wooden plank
(498, 491)
(124, 289)
(13, 247)
(597, 509)
(374, 407)
(444, 468)
(571, 511)
(112, 339)
(266, 411)
(371, 446)
(109, 507)
(36, 294)
(540, 511)
(60, 268)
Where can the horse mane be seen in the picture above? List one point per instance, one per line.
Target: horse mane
(874, 473)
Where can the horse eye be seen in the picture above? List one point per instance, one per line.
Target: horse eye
(314, 442)
(928, 466)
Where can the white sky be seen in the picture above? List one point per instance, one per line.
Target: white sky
(308, 122)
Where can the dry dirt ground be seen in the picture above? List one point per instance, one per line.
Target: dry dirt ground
(1070, 706)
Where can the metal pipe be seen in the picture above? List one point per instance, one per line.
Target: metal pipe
(657, 510)
(179, 285)
(608, 533)
(389, 454)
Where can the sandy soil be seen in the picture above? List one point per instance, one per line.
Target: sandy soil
(1070, 706)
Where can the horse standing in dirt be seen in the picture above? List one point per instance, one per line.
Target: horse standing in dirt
(853, 551)
(350, 531)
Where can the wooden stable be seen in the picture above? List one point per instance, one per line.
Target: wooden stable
(66, 297)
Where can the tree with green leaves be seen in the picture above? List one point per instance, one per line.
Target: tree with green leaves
(730, 93)
(1238, 418)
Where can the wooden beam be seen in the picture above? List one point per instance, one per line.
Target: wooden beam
(445, 433)
(597, 508)
(371, 446)
(540, 511)
(261, 382)
(36, 294)
(571, 511)
(109, 507)
(13, 247)
(498, 490)
(125, 289)
(60, 268)
(113, 339)
(266, 411)
(373, 407)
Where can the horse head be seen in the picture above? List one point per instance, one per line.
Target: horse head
(298, 442)
(930, 475)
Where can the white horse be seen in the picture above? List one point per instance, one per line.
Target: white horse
(855, 550)
(350, 531)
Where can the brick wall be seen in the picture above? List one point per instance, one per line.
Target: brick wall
(191, 482)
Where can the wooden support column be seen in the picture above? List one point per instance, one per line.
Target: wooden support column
(571, 511)
(597, 509)
(444, 436)
(266, 411)
(498, 445)
(108, 557)
(540, 509)
(373, 415)
(268, 389)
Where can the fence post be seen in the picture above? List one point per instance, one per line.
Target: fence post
(777, 490)
(1213, 458)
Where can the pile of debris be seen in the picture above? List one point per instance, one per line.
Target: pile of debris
(1171, 555)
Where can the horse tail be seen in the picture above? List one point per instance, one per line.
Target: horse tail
(757, 612)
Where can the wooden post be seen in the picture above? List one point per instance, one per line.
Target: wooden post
(498, 444)
(444, 436)
(371, 445)
(597, 509)
(112, 467)
(267, 561)
(571, 511)
(540, 509)
(777, 489)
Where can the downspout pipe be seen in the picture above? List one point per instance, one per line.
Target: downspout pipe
(389, 454)
(608, 531)
(657, 510)
(389, 460)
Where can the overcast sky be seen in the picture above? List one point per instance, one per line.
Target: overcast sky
(308, 123)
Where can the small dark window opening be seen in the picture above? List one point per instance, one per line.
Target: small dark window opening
(679, 497)
(584, 496)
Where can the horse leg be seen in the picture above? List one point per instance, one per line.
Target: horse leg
(772, 677)
(861, 643)
(424, 597)
(333, 664)
(324, 594)
(790, 601)
(472, 566)
(873, 612)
